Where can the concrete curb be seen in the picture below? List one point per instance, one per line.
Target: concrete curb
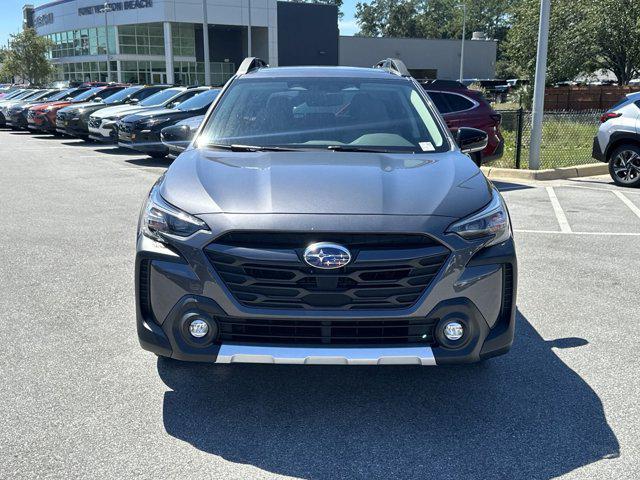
(588, 170)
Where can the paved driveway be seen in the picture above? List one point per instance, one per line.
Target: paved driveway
(80, 399)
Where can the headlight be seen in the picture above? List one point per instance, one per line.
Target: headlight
(491, 222)
(158, 218)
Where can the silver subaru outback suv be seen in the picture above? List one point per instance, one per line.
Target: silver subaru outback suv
(325, 215)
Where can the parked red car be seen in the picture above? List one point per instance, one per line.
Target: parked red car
(43, 117)
(463, 107)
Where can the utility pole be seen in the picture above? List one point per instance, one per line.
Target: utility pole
(106, 9)
(205, 40)
(538, 89)
(464, 32)
(249, 33)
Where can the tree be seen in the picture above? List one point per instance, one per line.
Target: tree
(570, 46)
(433, 18)
(614, 28)
(26, 57)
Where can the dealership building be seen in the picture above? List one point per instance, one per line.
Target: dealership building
(203, 41)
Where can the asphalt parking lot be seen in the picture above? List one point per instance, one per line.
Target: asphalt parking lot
(80, 399)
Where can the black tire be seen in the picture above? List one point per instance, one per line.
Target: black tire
(157, 154)
(624, 165)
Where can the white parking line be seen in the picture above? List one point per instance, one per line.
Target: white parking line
(556, 232)
(562, 218)
(627, 202)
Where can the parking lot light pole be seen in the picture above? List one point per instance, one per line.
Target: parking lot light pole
(464, 32)
(106, 9)
(538, 88)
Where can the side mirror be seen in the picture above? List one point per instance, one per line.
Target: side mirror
(134, 101)
(471, 140)
(97, 99)
(177, 137)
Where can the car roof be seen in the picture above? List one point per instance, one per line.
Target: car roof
(335, 72)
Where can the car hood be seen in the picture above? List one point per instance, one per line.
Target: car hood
(50, 104)
(193, 122)
(152, 113)
(119, 110)
(210, 181)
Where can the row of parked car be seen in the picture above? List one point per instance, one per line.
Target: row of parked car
(153, 119)
(161, 119)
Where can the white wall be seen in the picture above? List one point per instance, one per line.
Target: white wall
(418, 53)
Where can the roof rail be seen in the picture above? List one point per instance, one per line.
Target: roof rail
(393, 65)
(251, 63)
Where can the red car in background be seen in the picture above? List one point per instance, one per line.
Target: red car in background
(43, 117)
(463, 107)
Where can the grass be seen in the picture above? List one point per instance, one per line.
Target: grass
(567, 139)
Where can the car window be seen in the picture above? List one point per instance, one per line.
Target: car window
(146, 93)
(87, 95)
(202, 100)
(109, 92)
(458, 103)
(440, 102)
(182, 98)
(320, 112)
(161, 97)
(121, 95)
(60, 95)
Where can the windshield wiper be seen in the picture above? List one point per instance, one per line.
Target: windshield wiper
(250, 148)
(354, 148)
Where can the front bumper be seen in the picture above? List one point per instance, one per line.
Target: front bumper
(73, 128)
(596, 151)
(144, 141)
(106, 131)
(476, 286)
(17, 120)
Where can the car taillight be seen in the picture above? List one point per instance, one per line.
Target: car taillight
(608, 116)
(496, 117)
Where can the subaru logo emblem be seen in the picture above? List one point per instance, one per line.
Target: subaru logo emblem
(326, 256)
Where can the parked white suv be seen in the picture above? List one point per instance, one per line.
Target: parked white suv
(618, 141)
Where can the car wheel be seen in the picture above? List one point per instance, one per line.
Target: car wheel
(624, 166)
(157, 154)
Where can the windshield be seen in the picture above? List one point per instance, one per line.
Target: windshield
(31, 95)
(160, 98)
(121, 95)
(327, 113)
(60, 95)
(88, 94)
(201, 100)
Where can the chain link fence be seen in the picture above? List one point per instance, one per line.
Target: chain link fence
(567, 138)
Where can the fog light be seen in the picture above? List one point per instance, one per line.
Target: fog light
(198, 328)
(453, 331)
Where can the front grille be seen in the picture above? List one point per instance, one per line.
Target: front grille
(124, 127)
(332, 332)
(265, 270)
(95, 122)
(31, 114)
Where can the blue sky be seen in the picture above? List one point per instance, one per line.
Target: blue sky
(11, 17)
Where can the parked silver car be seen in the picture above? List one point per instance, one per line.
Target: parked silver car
(618, 141)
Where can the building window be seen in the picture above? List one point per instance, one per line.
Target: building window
(183, 37)
(143, 39)
(76, 43)
(84, 71)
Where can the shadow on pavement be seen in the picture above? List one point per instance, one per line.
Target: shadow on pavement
(522, 416)
(151, 162)
(503, 185)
